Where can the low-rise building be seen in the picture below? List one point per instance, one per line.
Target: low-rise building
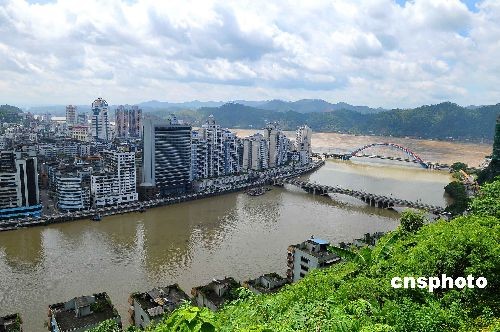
(152, 305)
(215, 294)
(82, 313)
(267, 283)
(11, 323)
(308, 255)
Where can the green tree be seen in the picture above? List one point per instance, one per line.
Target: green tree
(412, 221)
(459, 166)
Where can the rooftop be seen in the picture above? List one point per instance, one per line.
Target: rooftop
(67, 320)
(10, 323)
(209, 290)
(168, 297)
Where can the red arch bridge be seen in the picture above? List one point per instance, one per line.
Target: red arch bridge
(412, 156)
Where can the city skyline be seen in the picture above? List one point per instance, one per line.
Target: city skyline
(379, 53)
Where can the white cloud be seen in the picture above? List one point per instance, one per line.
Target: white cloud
(374, 52)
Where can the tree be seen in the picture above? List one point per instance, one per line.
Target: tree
(459, 166)
(412, 221)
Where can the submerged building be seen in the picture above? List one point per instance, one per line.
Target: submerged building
(267, 283)
(82, 313)
(215, 294)
(154, 304)
(308, 255)
(11, 323)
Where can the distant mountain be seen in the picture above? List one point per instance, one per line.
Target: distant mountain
(441, 121)
(314, 105)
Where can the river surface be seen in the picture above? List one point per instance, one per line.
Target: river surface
(191, 243)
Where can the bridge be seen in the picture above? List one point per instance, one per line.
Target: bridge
(412, 156)
(380, 201)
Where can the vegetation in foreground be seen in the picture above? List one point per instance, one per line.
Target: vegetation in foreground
(356, 294)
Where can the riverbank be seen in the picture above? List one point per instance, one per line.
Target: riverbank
(263, 179)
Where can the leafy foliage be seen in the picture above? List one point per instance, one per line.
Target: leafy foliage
(456, 190)
(412, 221)
(356, 295)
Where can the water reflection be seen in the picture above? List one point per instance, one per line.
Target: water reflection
(192, 242)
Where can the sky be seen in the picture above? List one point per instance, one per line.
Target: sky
(380, 53)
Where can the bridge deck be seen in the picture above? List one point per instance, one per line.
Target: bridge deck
(373, 199)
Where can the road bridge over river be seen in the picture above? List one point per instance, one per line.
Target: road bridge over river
(411, 157)
(380, 201)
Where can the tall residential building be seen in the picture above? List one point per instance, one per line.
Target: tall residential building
(128, 121)
(255, 153)
(70, 193)
(116, 183)
(215, 150)
(166, 156)
(100, 128)
(71, 115)
(278, 145)
(308, 255)
(303, 144)
(19, 195)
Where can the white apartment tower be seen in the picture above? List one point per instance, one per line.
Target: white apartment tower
(216, 151)
(303, 144)
(116, 184)
(71, 115)
(255, 153)
(278, 145)
(101, 130)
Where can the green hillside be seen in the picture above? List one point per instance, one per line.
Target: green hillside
(356, 295)
(9, 113)
(441, 121)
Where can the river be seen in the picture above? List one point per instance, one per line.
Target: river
(191, 243)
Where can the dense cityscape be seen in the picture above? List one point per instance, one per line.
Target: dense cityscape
(85, 161)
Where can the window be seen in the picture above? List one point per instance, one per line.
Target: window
(304, 259)
(302, 274)
(142, 318)
(304, 267)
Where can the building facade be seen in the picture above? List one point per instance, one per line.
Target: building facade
(303, 144)
(100, 127)
(116, 183)
(128, 121)
(71, 194)
(255, 153)
(71, 115)
(308, 255)
(167, 156)
(214, 151)
(19, 192)
(278, 145)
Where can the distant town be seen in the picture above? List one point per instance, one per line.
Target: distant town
(85, 165)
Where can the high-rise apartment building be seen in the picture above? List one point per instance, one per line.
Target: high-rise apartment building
(70, 192)
(116, 183)
(19, 195)
(167, 156)
(255, 153)
(278, 145)
(216, 151)
(71, 115)
(128, 121)
(100, 127)
(303, 144)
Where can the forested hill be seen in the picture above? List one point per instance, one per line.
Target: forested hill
(9, 113)
(441, 121)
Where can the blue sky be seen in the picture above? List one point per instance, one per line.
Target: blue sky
(364, 52)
